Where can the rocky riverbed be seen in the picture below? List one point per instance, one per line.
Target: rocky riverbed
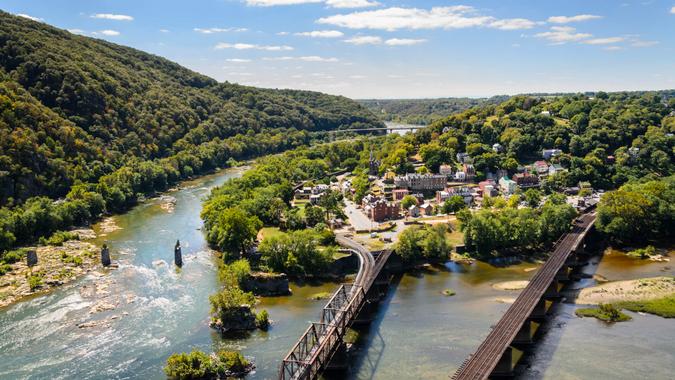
(57, 265)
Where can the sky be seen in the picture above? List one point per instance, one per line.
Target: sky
(391, 48)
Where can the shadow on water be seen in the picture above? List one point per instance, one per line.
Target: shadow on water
(371, 345)
(548, 338)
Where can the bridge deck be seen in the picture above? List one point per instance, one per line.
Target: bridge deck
(315, 348)
(481, 364)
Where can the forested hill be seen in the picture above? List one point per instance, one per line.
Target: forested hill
(423, 111)
(73, 109)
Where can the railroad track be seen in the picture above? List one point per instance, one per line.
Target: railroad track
(481, 364)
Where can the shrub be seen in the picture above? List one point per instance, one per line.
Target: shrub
(34, 281)
(5, 268)
(195, 365)
(232, 361)
(14, 256)
(262, 320)
(59, 237)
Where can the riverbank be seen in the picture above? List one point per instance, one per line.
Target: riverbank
(625, 291)
(57, 265)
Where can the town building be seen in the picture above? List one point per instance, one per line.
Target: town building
(378, 209)
(320, 188)
(373, 164)
(548, 153)
(555, 169)
(488, 187)
(541, 167)
(398, 194)
(463, 157)
(421, 182)
(442, 196)
(470, 172)
(413, 211)
(507, 186)
(526, 180)
(427, 209)
(460, 176)
(445, 170)
(497, 148)
(314, 199)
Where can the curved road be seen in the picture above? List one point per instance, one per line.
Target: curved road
(366, 259)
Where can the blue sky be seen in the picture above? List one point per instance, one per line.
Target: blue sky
(392, 49)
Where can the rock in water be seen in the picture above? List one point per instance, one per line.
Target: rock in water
(177, 255)
(31, 258)
(105, 256)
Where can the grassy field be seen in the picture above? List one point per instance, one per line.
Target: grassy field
(663, 307)
(266, 232)
(606, 312)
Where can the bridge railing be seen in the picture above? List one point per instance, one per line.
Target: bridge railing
(317, 345)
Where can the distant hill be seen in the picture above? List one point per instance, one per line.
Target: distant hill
(423, 111)
(73, 109)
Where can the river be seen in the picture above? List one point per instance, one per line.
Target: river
(156, 310)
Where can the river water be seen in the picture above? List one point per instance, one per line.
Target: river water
(139, 314)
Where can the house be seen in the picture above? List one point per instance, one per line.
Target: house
(610, 160)
(555, 169)
(507, 186)
(314, 199)
(445, 170)
(320, 188)
(548, 153)
(585, 185)
(373, 164)
(303, 193)
(460, 176)
(541, 167)
(488, 187)
(497, 147)
(463, 157)
(526, 180)
(398, 194)
(442, 196)
(413, 211)
(427, 209)
(470, 172)
(421, 182)
(545, 113)
(465, 192)
(378, 209)
(633, 151)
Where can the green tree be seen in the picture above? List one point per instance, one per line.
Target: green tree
(408, 201)
(453, 204)
(234, 232)
(533, 197)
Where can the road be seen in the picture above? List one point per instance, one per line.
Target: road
(357, 218)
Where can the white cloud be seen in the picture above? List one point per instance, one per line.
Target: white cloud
(351, 3)
(604, 41)
(612, 48)
(395, 18)
(568, 19)
(403, 41)
(238, 60)
(283, 34)
(309, 58)
(513, 24)
(641, 44)
(321, 34)
(77, 31)
(672, 10)
(30, 17)
(364, 40)
(272, 3)
(563, 34)
(218, 30)
(110, 16)
(357, 77)
(330, 3)
(240, 74)
(109, 32)
(165, 30)
(240, 46)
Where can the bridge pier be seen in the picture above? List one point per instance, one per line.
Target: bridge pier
(553, 290)
(541, 310)
(507, 363)
(527, 332)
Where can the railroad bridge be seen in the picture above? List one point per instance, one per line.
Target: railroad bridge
(322, 342)
(498, 355)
